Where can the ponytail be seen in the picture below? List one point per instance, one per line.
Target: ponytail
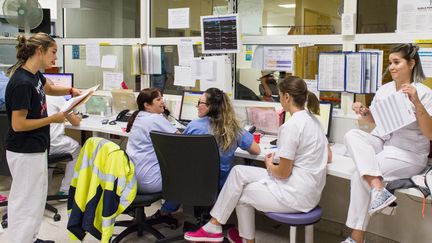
(313, 104)
(131, 120)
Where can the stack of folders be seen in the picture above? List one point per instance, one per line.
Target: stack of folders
(392, 113)
(355, 72)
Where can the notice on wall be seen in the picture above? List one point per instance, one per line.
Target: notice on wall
(93, 54)
(178, 18)
(414, 16)
(112, 80)
(279, 58)
(426, 61)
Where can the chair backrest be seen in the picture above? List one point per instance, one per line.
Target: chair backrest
(189, 166)
(4, 128)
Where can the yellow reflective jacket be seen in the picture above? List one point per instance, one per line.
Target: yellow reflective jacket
(103, 186)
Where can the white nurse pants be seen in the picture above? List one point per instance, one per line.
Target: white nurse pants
(371, 157)
(27, 196)
(244, 191)
(68, 145)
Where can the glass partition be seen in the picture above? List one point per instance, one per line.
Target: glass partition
(103, 19)
(159, 26)
(249, 85)
(292, 17)
(88, 76)
(376, 16)
(7, 57)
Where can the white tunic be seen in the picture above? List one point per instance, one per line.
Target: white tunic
(302, 140)
(408, 143)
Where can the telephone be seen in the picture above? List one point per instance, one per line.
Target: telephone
(123, 116)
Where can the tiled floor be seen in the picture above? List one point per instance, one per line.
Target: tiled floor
(268, 231)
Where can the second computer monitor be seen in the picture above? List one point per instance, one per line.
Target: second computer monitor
(324, 117)
(188, 110)
(61, 79)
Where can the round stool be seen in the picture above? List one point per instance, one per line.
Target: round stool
(299, 219)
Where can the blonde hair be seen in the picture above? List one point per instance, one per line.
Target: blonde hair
(223, 121)
(26, 48)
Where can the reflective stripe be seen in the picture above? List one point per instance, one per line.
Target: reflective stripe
(108, 222)
(129, 187)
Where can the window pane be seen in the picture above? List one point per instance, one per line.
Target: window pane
(197, 8)
(376, 16)
(103, 19)
(306, 66)
(7, 57)
(165, 81)
(88, 76)
(276, 17)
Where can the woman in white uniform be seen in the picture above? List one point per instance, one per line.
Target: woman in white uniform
(149, 117)
(293, 185)
(401, 154)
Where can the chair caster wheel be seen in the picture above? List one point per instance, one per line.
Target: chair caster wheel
(57, 217)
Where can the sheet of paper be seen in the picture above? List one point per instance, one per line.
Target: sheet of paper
(220, 67)
(426, 61)
(112, 80)
(93, 54)
(109, 61)
(156, 60)
(331, 72)
(185, 52)
(203, 68)
(78, 100)
(392, 113)
(178, 18)
(279, 58)
(183, 76)
(354, 77)
(414, 16)
(312, 86)
(250, 13)
(136, 60)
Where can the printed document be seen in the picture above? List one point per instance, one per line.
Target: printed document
(79, 100)
(392, 113)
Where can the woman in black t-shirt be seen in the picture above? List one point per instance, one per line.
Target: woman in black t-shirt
(28, 139)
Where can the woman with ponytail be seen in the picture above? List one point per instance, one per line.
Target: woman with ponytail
(149, 117)
(293, 185)
(28, 138)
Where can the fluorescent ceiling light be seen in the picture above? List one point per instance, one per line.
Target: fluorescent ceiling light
(290, 5)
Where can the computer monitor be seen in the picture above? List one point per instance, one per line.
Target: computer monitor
(188, 110)
(326, 110)
(220, 34)
(61, 79)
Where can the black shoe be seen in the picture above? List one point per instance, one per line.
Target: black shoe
(158, 218)
(44, 241)
(158, 215)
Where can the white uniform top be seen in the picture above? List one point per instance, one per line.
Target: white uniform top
(140, 147)
(408, 143)
(57, 130)
(302, 140)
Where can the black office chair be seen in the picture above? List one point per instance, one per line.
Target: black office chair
(139, 223)
(52, 160)
(190, 171)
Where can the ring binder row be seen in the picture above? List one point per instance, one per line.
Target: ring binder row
(353, 72)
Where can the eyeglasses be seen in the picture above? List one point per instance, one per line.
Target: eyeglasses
(201, 102)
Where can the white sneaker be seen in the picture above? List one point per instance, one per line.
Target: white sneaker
(349, 240)
(380, 199)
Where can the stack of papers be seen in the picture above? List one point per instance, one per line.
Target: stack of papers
(79, 100)
(392, 113)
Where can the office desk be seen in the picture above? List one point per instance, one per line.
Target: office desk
(93, 123)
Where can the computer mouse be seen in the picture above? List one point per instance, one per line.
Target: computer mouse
(105, 121)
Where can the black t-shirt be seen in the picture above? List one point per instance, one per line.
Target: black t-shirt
(25, 91)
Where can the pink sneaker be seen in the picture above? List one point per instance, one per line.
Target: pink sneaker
(3, 198)
(233, 236)
(202, 236)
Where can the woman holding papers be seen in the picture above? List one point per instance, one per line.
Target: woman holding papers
(293, 185)
(383, 157)
(149, 117)
(28, 139)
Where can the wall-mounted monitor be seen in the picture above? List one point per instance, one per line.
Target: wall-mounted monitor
(220, 34)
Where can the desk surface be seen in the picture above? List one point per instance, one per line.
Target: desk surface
(340, 166)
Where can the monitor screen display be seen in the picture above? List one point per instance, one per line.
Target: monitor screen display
(61, 79)
(325, 117)
(188, 110)
(220, 34)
